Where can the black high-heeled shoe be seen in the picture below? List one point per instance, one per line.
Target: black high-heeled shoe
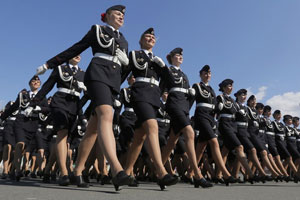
(133, 182)
(80, 182)
(167, 180)
(105, 180)
(46, 178)
(202, 182)
(186, 179)
(120, 179)
(296, 179)
(19, 175)
(4, 176)
(64, 181)
(287, 179)
(230, 179)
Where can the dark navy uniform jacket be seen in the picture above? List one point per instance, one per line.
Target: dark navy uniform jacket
(204, 94)
(63, 77)
(177, 100)
(21, 103)
(101, 39)
(141, 66)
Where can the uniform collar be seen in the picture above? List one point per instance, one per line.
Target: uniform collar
(111, 27)
(71, 66)
(147, 52)
(206, 84)
(177, 68)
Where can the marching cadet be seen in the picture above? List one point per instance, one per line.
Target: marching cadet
(270, 138)
(291, 135)
(296, 123)
(241, 119)
(205, 98)
(258, 142)
(145, 98)
(26, 122)
(64, 106)
(103, 80)
(178, 106)
(227, 109)
(8, 140)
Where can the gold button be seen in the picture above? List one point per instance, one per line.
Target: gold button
(114, 67)
(151, 67)
(151, 85)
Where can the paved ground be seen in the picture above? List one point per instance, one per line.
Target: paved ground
(35, 190)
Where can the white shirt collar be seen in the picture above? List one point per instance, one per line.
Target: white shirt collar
(177, 68)
(71, 66)
(206, 84)
(147, 52)
(112, 28)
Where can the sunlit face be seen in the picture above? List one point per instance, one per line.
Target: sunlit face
(205, 76)
(177, 59)
(276, 116)
(252, 103)
(75, 60)
(115, 18)
(147, 41)
(228, 89)
(296, 123)
(242, 98)
(260, 111)
(289, 122)
(35, 84)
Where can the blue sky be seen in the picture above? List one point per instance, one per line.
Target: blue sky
(255, 43)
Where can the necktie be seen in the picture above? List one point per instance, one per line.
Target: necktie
(74, 69)
(116, 34)
(150, 55)
(32, 95)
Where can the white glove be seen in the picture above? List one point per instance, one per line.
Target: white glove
(159, 61)
(117, 103)
(220, 106)
(41, 69)
(81, 85)
(192, 91)
(37, 108)
(116, 128)
(122, 57)
(28, 111)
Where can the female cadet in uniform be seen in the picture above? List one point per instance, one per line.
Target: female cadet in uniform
(253, 129)
(26, 123)
(227, 108)
(64, 106)
(145, 98)
(242, 118)
(270, 138)
(281, 133)
(291, 135)
(103, 80)
(178, 106)
(205, 98)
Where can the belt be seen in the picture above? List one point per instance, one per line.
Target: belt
(49, 127)
(291, 138)
(31, 115)
(11, 118)
(54, 136)
(242, 123)
(207, 105)
(298, 140)
(147, 80)
(261, 131)
(280, 135)
(68, 91)
(227, 116)
(108, 57)
(129, 109)
(178, 89)
(167, 121)
(270, 133)
(1, 128)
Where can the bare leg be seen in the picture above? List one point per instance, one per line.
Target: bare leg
(61, 150)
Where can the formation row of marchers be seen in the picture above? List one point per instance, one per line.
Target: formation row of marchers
(156, 113)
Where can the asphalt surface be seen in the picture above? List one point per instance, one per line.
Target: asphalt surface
(34, 189)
